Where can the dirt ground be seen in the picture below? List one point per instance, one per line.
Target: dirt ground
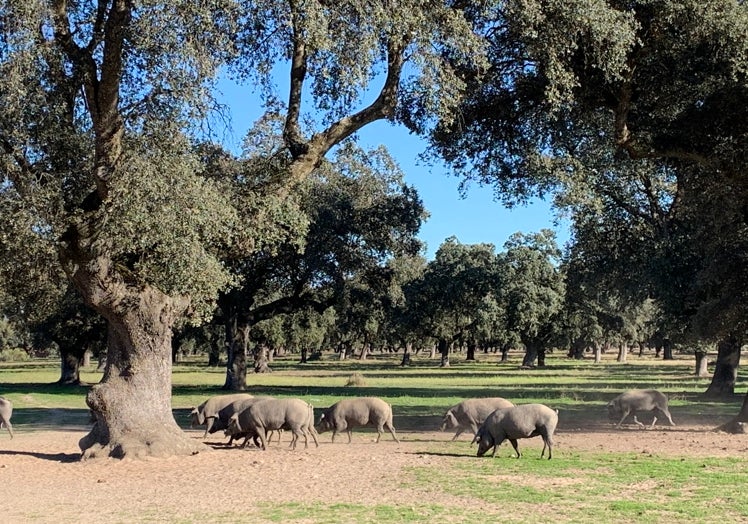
(43, 480)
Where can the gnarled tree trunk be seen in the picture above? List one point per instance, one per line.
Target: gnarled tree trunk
(132, 403)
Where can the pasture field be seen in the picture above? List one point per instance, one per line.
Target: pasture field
(686, 473)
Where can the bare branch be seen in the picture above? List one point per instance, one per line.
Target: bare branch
(291, 132)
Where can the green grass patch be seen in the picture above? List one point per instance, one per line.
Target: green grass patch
(597, 487)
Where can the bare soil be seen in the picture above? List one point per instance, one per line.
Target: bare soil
(43, 480)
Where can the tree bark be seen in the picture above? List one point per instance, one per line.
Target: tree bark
(739, 423)
(444, 352)
(667, 349)
(726, 368)
(701, 364)
(622, 352)
(541, 357)
(504, 354)
(70, 374)
(598, 349)
(406, 354)
(236, 365)
(471, 345)
(531, 354)
(132, 403)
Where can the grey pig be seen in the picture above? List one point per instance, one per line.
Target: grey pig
(224, 415)
(274, 414)
(470, 414)
(524, 421)
(349, 413)
(6, 410)
(638, 400)
(207, 412)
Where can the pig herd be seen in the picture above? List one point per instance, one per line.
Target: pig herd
(490, 420)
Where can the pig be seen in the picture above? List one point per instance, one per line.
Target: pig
(523, 421)
(470, 414)
(224, 415)
(274, 414)
(630, 402)
(207, 412)
(6, 410)
(361, 411)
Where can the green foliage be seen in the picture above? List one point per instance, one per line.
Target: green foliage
(13, 354)
(164, 224)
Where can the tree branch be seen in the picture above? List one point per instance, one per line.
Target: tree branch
(383, 107)
(292, 136)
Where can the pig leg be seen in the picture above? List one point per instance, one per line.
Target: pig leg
(459, 432)
(313, 432)
(7, 425)
(515, 446)
(625, 414)
(639, 423)
(263, 437)
(391, 429)
(667, 415)
(654, 420)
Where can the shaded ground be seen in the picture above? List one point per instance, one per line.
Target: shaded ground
(44, 481)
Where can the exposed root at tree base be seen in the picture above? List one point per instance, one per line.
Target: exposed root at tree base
(139, 445)
(735, 427)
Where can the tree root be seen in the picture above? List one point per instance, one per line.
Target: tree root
(138, 445)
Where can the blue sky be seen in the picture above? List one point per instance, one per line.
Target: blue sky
(477, 218)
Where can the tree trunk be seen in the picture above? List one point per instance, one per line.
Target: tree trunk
(701, 364)
(237, 338)
(444, 352)
(86, 362)
(531, 354)
(623, 351)
(304, 353)
(739, 424)
(667, 349)
(470, 350)
(726, 368)
(541, 357)
(131, 405)
(598, 353)
(70, 373)
(216, 345)
(504, 354)
(364, 351)
(406, 354)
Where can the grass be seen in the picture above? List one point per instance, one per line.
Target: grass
(575, 487)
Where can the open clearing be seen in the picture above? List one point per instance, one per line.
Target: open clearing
(44, 481)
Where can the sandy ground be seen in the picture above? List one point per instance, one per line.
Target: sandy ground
(43, 480)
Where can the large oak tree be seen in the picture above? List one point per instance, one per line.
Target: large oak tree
(99, 101)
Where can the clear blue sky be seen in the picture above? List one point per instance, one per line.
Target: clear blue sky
(474, 219)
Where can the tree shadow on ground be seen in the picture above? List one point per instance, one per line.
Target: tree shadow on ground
(65, 458)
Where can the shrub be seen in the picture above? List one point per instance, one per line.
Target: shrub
(13, 355)
(357, 379)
